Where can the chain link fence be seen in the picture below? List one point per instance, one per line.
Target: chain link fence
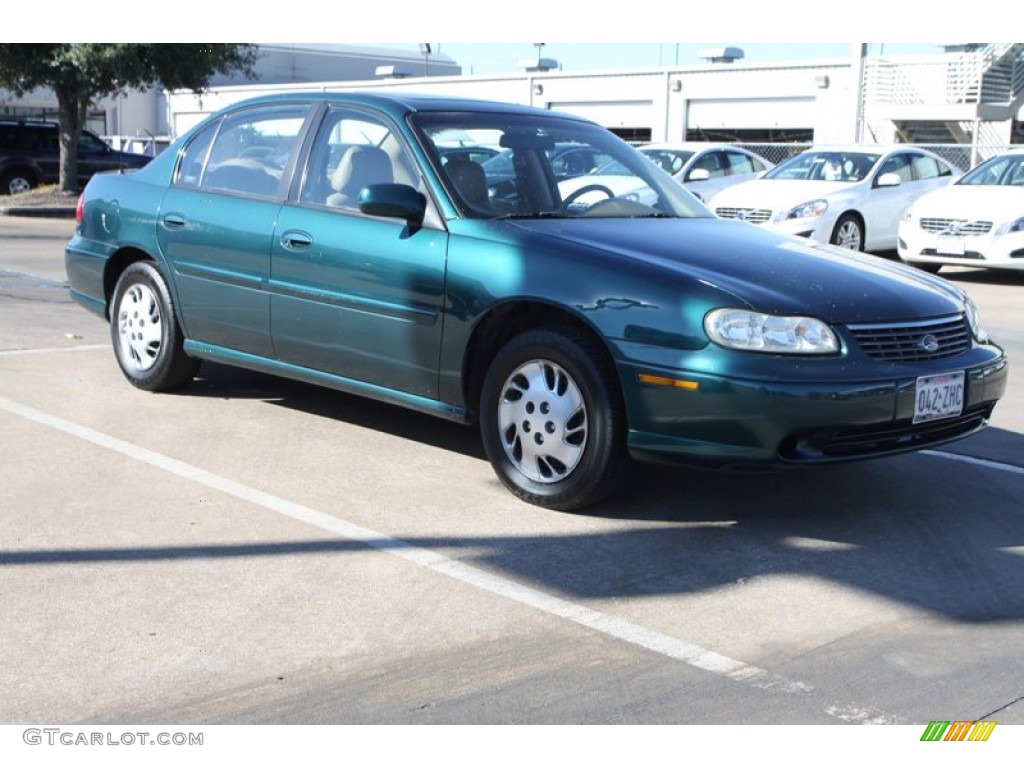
(963, 156)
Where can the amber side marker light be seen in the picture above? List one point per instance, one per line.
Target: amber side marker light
(665, 381)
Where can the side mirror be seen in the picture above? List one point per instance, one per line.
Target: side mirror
(888, 180)
(698, 174)
(394, 201)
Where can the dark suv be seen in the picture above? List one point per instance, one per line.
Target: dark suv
(30, 156)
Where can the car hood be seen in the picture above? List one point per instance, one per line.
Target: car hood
(974, 203)
(767, 272)
(780, 194)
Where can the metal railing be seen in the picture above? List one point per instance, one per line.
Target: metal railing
(993, 74)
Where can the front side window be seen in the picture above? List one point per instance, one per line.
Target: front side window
(669, 160)
(712, 163)
(91, 144)
(900, 165)
(925, 167)
(740, 163)
(353, 150)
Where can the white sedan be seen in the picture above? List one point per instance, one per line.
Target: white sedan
(977, 222)
(706, 169)
(849, 196)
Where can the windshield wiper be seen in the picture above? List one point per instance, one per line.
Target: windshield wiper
(535, 215)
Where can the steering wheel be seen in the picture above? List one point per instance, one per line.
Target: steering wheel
(574, 196)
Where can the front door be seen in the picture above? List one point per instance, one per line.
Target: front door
(356, 295)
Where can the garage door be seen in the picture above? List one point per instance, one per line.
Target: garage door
(611, 114)
(750, 113)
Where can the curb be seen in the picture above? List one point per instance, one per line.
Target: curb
(53, 212)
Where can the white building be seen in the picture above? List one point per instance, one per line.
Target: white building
(970, 96)
(967, 99)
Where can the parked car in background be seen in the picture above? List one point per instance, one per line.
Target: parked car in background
(976, 222)
(576, 334)
(848, 196)
(706, 169)
(30, 156)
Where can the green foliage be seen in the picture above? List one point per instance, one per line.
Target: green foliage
(91, 70)
(79, 73)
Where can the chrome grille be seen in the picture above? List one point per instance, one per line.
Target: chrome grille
(914, 342)
(753, 215)
(956, 226)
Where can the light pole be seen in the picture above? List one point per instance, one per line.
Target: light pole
(425, 49)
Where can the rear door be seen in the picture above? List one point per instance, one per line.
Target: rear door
(217, 220)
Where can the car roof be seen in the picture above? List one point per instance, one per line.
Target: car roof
(867, 149)
(692, 146)
(402, 103)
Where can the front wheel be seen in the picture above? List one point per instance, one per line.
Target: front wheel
(17, 182)
(552, 419)
(849, 233)
(145, 333)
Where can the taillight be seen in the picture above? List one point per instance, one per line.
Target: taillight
(78, 209)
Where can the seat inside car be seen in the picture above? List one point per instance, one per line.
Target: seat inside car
(360, 167)
(470, 183)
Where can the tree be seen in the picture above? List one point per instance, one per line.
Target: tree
(80, 73)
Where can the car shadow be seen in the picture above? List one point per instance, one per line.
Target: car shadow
(936, 530)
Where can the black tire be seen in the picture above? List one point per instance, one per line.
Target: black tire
(145, 333)
(17, 181)
(552, 419)
(848, 233)
(931, 269)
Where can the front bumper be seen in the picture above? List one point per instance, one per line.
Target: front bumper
(723, 421)
(916, 246)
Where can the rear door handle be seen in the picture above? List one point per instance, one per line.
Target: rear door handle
(174, 221)
(296, 240)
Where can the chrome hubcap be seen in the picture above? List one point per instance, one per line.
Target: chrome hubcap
(18, 186)
(140, 329)
(543, 421)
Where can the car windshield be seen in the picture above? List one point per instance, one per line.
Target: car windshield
(550, 167)
(1004, 170)
(826, 166)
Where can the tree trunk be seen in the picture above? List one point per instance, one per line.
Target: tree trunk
(72, 110)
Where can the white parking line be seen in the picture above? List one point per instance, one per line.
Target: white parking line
(46, 350)
(611, 626)
(987, 463)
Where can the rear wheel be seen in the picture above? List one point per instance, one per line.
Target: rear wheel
(552, 420)
(848, 233)
(145, 333)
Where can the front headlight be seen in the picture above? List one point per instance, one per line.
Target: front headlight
(808, 210)
(1011, 226)
(756, 332)
(974, 320)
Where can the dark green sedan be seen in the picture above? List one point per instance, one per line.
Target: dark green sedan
(321, 237)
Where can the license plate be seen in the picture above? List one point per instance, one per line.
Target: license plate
(950, 246)
(940, 396)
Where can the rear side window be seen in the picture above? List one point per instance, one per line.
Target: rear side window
(192, 159)
(246, 152)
